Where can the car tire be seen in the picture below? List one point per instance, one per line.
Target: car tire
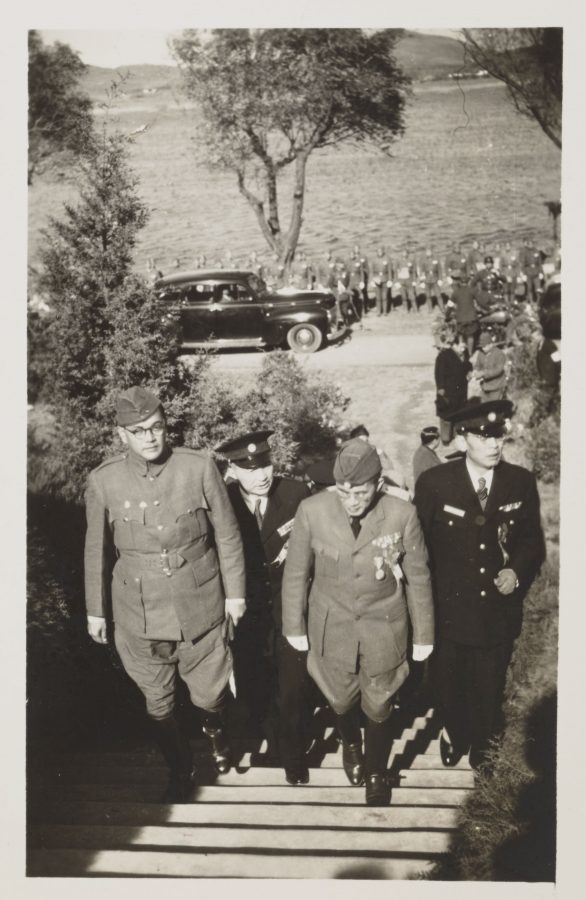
(304, 338)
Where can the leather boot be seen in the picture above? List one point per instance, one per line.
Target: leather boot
(348, 725)
(177, 753)
(213, 726)
(377, 746)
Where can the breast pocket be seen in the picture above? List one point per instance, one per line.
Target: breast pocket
(192, 521)
(326, 560)
(127, 524)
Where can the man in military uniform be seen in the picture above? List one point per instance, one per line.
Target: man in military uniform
(509, 269)
(382, 275)
(163, 544)
(406, 272)
(265, 506)
(360, 262)
(429, 271)
(480, 516)
(357, 565)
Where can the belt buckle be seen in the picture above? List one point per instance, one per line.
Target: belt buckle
(165, 563)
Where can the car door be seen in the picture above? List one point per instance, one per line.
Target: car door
(239, 312)
(198, 315)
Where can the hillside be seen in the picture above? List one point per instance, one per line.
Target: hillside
(426, 56)
(422, 56)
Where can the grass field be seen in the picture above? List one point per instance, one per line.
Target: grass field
(467, 166)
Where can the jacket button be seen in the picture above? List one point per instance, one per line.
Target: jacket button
(483, 546)
(450, 522)
(483, 593)
(482, 571)
(137, 579)
(156, 502)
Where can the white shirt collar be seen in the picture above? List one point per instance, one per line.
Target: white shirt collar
(475, 473)
(250, 500)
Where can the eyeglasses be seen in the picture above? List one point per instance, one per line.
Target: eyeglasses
(157, 429)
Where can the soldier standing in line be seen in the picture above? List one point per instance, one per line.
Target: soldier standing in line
(163, 544)
(326, 272)
(474, 260)
(363, 269)
(430, 272)
(480, 517)
(531, 260)
(510, 270)
(406, 274)
(265, 506)
(382, 274)
(357, 569)
(455, 263)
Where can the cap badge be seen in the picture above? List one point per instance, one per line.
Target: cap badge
(347, 485)
(251, 448)
(491, 417)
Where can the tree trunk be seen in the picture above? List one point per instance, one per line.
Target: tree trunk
(272, 239)
(292, 236)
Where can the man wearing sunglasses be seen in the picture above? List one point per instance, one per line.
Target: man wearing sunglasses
(480, 517)
(164, 548)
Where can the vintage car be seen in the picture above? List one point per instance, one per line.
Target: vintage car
(234, 308)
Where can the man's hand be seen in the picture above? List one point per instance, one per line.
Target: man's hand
(506, 581)
(421, 651)
(299, 642)
(96, 626)
(235, 608)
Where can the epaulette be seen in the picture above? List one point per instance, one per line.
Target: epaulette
(189, 450)
(120, 457)
(396, 492)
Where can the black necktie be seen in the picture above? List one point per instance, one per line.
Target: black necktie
(482, 492)
(258, 514)
(355, 525)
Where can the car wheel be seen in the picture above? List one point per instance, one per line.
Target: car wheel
(304, 338)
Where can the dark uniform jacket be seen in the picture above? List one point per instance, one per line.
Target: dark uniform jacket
(332, 575)
(162, 543)
(265, 552)
(450, 376)
(469, 546)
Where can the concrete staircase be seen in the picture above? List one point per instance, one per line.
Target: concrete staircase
(97, 814)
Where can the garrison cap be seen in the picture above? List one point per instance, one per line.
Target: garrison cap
(249, 451)
(135, 405)
(489, 419)
(357, 462)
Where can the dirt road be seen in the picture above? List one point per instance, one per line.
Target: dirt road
(387, 371)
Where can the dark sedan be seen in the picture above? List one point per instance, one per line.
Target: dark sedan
(234, 308)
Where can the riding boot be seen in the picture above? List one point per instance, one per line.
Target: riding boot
(348, 725)
(177, 753)
(377, 746)
(213, 726)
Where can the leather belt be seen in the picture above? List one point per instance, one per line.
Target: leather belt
(167, 559)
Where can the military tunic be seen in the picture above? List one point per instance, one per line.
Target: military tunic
(476, 624)
(359, 600)
(163, 547)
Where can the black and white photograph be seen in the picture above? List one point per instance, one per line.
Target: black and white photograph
(293, 441)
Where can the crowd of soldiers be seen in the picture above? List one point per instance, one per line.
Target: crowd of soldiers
(408, 280)
(292, 595)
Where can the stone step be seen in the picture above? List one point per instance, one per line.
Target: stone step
(261, 814)
(254, 794)
(254, 758)
(244, 838)
(258, 776)
(169, 864)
